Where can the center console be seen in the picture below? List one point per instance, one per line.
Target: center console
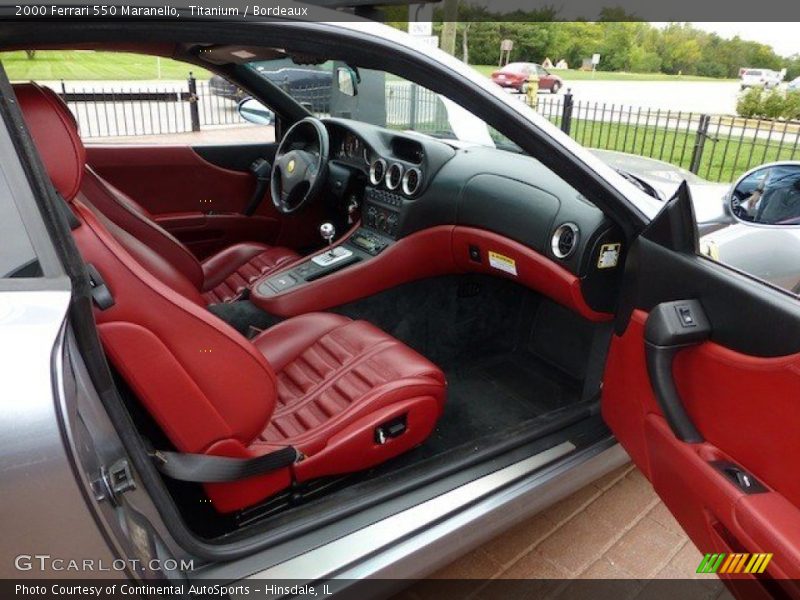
(382, 211)
(381, 219)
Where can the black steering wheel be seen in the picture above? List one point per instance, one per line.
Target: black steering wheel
(301, 164)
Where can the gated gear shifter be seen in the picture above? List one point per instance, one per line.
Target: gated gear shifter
(335, 254)
(328, 231)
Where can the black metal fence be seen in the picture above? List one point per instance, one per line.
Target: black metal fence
(137, 110)
(715, 147)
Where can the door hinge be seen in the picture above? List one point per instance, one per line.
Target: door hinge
(115, 481)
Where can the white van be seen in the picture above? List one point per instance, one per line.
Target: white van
(765, 78)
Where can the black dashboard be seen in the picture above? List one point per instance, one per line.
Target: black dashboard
(414, 182)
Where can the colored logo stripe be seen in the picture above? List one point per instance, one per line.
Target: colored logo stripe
(734, 563)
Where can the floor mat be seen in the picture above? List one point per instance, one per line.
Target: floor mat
(496, 393)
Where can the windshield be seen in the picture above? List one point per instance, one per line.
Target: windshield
(379, 98)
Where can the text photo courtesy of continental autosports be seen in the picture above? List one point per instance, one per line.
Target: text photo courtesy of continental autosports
(379, 299)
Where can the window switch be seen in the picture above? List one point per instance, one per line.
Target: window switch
(685, 315)
(474, 253)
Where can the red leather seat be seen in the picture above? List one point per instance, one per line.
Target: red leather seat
(319, 382)
(222, 277)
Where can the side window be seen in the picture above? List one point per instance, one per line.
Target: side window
(122, 98)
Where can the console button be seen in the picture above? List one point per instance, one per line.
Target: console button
(281, 282)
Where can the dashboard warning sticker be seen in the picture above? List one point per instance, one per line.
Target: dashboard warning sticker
(502, 263)
(609, 256)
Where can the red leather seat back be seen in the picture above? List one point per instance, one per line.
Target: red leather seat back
(55, 133)
(204, 384)
(201, 381)
(124, 211)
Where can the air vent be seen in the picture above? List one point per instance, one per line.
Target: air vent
(377, 171)
(411, 181)
(394, 176)
(565, 240)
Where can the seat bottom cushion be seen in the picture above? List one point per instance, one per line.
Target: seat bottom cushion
(227, 274)
(339, 381)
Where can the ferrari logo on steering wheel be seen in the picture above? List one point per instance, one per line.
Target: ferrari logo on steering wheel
(290, 166)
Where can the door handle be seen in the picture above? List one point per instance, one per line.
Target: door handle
(671, 327)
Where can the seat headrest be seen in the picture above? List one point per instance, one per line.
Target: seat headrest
(55, 133)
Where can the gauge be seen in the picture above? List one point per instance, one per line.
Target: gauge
(367, 156)
(352, 146)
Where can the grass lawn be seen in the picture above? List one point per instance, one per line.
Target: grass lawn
(575, 75)
(722, 161)
(98, 66)
(89, 66)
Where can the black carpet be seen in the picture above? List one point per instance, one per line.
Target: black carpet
(510, 356)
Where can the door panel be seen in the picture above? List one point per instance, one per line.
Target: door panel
(206, 234)
(747, 406)
(736, 490)
(199, 201)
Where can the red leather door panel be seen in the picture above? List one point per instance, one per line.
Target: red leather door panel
(195, 200)
(748, 411)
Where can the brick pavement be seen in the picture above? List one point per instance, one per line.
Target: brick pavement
(614, 528)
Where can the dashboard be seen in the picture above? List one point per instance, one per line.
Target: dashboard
(413, 182)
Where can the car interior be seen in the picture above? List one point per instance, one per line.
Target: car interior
(395, 302)
(294, 339)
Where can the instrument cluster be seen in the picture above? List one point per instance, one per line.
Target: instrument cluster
(350, 148)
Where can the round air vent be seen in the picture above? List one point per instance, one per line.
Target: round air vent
(394, 176)
(411, 181)
(565, 240)
(377, 171)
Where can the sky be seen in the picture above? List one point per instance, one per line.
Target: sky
(783, 37)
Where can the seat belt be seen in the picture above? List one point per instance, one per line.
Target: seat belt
(261, 170)
(203, 468)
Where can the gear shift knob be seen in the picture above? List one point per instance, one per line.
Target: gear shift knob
(327, 231)
(334, 254)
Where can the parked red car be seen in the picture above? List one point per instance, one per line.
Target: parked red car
(516, 75)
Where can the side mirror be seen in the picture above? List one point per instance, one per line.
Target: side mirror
(347, 81)
(768, 195)
(252, 111)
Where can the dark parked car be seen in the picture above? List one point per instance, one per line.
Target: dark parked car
(308, 85)
(516, 75)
